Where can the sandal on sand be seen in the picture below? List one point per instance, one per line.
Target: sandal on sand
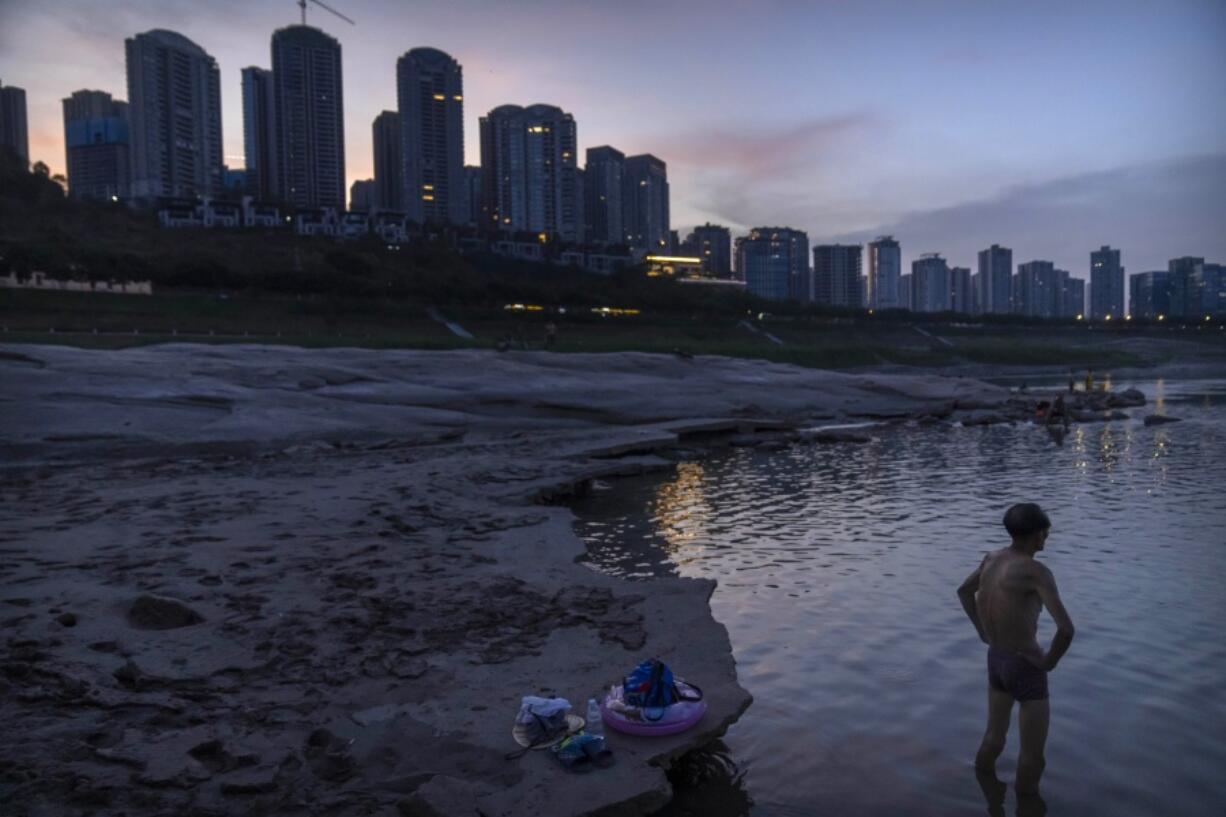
(600, 755)
(571, 754)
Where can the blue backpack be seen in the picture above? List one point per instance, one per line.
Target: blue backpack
(651, 686)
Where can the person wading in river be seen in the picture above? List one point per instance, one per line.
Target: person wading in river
(1003, 598)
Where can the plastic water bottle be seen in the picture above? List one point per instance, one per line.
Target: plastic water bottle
(595, 724)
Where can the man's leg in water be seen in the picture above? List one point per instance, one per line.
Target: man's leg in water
(1000, 707)
(993, 792)
(1032, 719)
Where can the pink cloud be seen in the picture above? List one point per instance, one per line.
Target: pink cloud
(765, 152)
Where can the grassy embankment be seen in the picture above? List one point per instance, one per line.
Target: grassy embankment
(117, 321)
(273, 287)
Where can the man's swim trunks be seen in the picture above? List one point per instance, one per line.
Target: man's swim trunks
(1013, 674)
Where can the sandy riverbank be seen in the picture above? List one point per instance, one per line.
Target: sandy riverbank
(368, 539)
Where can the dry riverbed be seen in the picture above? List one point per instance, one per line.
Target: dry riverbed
(257, 580)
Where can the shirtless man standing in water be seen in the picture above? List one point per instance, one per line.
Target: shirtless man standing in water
(1003, 598)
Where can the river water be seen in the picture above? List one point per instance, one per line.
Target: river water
(837, 569)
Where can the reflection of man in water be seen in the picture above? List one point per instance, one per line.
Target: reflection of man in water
(1003, 598)
(1058, 413)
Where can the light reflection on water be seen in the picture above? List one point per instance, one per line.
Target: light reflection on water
(837, 567)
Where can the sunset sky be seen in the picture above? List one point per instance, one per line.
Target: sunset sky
(1049, 127)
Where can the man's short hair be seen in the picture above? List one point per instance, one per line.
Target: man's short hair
(1024, 519)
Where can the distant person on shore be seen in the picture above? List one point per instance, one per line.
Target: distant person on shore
(1003, 598)
(551, 334)
(1089, 380)
(1072, 382)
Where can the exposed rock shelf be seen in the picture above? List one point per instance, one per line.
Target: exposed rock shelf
(247, 579)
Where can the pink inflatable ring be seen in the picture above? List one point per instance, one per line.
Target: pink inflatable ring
(676, 717)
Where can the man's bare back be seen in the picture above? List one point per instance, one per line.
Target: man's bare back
(1008, 602)
(1003, 598)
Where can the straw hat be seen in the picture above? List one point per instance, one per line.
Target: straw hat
(574, 723)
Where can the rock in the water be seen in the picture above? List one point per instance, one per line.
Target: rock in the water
(67, 619)
(1125, 399)
(1159, 419)
(161, 613)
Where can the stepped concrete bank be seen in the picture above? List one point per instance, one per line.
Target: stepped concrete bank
(255, 579)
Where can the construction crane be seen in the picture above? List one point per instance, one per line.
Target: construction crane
(302, 4)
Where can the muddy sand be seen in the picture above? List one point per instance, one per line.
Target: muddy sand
(269, 580)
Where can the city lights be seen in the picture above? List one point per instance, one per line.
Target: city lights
(614, 312)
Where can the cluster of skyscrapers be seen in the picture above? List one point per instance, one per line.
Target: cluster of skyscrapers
(1189, 289)
(1036, 289)
(165, 142)
(774, 263)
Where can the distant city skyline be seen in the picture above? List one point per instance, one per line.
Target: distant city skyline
(1052, 141)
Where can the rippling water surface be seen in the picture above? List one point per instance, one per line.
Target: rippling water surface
(837, 569)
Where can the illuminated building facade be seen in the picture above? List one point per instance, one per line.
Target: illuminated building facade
(713, 244)
(675, 266)
(1209, 282)
(529, 181)
(774, 263)
(430, 96)
(645, 216)
(1106, 284)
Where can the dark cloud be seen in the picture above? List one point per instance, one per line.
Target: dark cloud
(1152, 211)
